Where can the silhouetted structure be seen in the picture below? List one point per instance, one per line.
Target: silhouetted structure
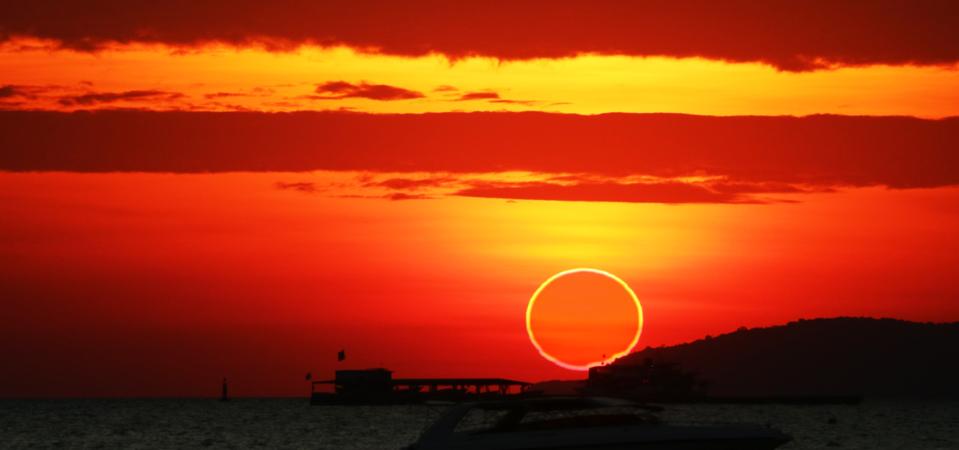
(377, 386)
(649, 381)
(583, 423)
(224, 396)
(817, 360)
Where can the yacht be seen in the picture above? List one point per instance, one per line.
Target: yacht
(582, 423)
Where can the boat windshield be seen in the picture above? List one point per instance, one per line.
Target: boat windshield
(586, 418)
(486, 421)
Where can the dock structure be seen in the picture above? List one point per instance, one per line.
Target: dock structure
(377, 386)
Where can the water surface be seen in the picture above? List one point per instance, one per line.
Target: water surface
(293, 423)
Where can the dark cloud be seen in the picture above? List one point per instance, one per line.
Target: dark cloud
(411, 184)
(301, 186)
(592, 187)
(283, 104)
(342, 89)
(9, 91)
(215, 95)
(94, 98)
(492, 97)
(445, 88)
(664, 192)
(514, 102)
(727, 187)
(585, 187)
(394, 196)
(397, 196)
(222, 106)
(485, 95)
(797, 35)
(813, 152)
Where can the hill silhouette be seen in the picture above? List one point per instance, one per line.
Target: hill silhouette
(839, 356)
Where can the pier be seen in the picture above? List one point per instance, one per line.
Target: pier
(377, 386)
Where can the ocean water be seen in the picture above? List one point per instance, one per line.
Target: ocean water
(293, 423)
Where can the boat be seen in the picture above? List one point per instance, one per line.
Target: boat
(582, 423)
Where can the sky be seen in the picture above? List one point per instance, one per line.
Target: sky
(192, 191)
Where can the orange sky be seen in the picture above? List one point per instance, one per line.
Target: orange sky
(243, 277)
(208, 221)
(222, 78)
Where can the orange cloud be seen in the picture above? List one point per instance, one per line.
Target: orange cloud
(819, 151)
(588, 84)
(794, 36)
(665, 192)
(412, 184)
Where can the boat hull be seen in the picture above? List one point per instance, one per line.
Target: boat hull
(645, 438)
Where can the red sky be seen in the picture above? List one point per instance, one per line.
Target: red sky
(198, 190)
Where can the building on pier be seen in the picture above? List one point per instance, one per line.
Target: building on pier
(377, 386)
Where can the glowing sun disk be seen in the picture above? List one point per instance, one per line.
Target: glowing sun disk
(567, 364)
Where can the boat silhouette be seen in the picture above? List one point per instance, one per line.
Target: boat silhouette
(582, 423)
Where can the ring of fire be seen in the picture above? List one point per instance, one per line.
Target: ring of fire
(583, 367)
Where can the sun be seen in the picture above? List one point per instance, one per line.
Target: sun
(581, 318)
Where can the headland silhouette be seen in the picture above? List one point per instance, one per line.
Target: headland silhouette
(812, 359)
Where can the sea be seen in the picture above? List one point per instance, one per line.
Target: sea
(293, 423)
